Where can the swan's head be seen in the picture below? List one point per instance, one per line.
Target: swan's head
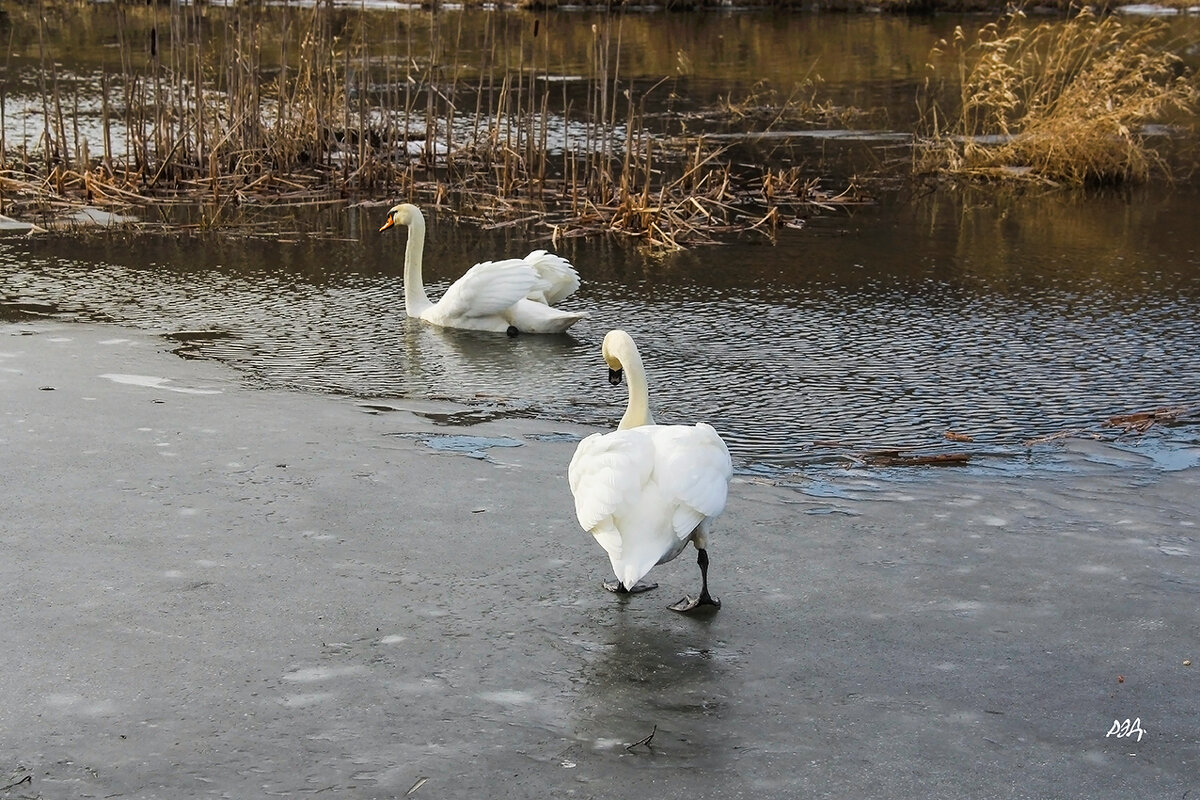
(617, 349)
(403, 214)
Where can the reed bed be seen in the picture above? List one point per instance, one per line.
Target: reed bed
(299, 105)
(1057, 102)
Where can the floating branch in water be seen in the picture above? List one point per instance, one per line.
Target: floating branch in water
(897, 458)
(1142, 421)
(1137, 422)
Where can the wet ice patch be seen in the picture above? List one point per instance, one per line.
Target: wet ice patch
(470, 446)
(966, 608)
(62, 700)
(77, 704)
(393, 638)
(508, 698)
(313, 674)
(604, 743)
(154, 382)
(306, 699)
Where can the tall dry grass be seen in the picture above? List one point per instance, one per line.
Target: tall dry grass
(255, 104)
(1060, 101)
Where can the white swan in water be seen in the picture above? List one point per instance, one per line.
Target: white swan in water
(511, 296)
(645, 490)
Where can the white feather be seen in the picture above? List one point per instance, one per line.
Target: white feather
(557, 279)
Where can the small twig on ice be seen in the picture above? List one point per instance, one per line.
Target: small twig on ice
(645, 741)
(29, 779)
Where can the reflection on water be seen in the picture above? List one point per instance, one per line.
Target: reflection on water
(1002, 321)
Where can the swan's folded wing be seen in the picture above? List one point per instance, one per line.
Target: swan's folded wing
(489, 288)
(608, 474)
(693, 467)
(556, 278)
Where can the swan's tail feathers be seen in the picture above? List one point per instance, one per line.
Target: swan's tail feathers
(530, 317)
(557, 279)
(631, 576)
(635, 562)
(560, 324)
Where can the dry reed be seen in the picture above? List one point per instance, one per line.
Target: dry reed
(1061, 101)
(298, 108)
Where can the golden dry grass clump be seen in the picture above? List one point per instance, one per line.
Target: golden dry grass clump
(1060, 101)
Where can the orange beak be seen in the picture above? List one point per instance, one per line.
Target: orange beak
(386, 225)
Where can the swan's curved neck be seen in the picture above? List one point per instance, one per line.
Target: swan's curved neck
(415, 300)
(638, 411)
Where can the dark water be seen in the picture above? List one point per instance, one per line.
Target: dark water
(999, 318)
(888, 326)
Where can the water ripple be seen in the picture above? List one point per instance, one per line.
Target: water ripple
(800, 354)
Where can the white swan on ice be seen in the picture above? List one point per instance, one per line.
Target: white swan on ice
(645, 490)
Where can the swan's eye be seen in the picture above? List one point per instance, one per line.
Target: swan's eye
(614, 377)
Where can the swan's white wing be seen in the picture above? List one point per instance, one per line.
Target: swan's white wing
(556, 278)
(693, 468)
(488, 288)
(608, 475)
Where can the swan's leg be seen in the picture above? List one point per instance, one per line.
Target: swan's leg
(705, 599)
(616, 587)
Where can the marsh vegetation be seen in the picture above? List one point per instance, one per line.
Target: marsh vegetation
(1065, 101)
(529, 117)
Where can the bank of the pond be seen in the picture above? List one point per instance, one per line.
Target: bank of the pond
(210, 590)
(854, 6)
(580, 121)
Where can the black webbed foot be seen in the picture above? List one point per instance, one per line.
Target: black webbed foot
(616, 587)
(704, 601)
(513, 330)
